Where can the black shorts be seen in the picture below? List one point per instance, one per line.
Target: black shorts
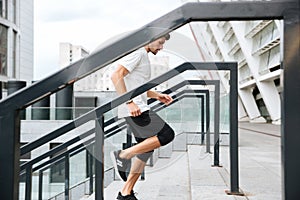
(149, 124)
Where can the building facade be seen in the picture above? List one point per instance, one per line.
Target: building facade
(16, 41)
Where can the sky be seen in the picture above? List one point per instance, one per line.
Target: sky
(87, 23)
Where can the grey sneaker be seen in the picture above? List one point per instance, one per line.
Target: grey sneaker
(122, 166)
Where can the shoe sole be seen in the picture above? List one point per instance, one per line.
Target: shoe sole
(113, 158)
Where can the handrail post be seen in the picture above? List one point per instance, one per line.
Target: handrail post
(207, 122)
(9, 154)
(28, 184)
(233, 150)
(202, 120)
(217, 127)
(99, 155)
(67, 177)
(40, 193)
(290, 138)
(90, 167)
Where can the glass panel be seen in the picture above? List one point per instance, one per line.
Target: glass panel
(239, 56)
(183, 115)
(35, 186)
(263, 65)
(269, 60)
(57, 173)
(232, 41)
(113, 142)
(50, 188)
(78, 167)
(244, 74)
(212, 111)
(274, 57)
(224, 113)
(266, 34)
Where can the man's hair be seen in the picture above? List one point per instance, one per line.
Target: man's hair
(167, 36)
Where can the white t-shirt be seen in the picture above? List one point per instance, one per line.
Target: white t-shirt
(138, 65)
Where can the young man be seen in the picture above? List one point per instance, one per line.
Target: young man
(149, 130)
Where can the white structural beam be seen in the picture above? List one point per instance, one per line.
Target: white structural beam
(246, 96)
(267, 89)
(242, 115)
(201, 37)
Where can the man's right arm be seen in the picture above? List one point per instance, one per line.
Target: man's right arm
(118, 80)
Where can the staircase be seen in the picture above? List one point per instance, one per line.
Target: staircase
(186, 175)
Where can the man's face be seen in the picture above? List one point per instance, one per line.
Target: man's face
(157, 45)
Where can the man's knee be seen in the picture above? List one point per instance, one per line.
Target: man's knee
(145, 156)
(166, 136)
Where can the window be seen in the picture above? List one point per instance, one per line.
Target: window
(3, 8)
(3, 50)
(84, 105)
(14, 15)
(14, 54)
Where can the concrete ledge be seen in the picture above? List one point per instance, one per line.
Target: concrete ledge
(258, 120)
(195, 139)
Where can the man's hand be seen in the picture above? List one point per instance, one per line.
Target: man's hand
(164, 98)
(134, 110)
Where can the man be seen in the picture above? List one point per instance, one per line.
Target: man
(149, 130)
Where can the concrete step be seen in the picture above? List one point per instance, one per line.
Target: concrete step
(207, 182)
(167, 180)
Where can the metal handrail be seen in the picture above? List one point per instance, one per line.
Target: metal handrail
(91, 115)
(52, 135)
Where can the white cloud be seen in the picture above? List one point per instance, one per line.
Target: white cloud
(88, 23)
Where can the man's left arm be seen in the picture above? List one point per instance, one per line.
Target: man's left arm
(164, 98)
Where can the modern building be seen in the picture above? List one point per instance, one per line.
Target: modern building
(16, 41)
(69, 53)
(255, 46)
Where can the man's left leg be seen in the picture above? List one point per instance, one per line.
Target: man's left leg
(147, 145)
(135, 172)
